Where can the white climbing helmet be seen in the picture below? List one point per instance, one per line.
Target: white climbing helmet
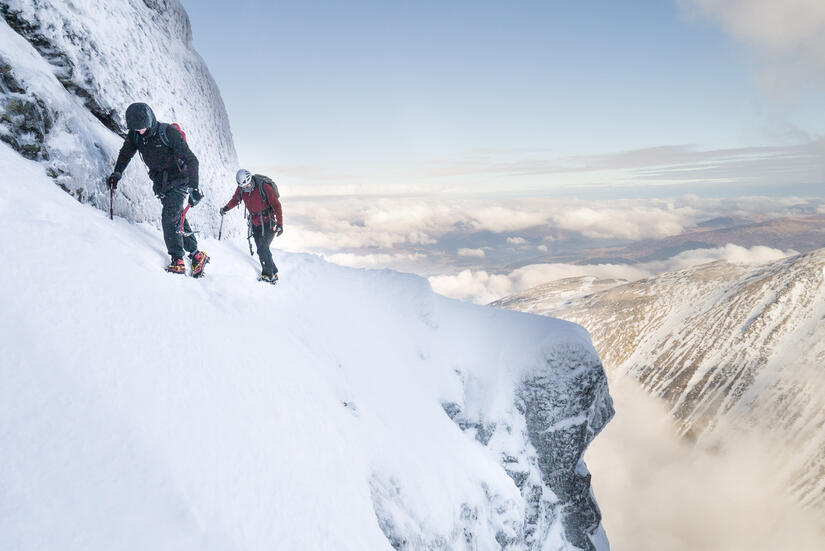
(244, 179)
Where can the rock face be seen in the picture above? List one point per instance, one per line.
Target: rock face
(561, 421)
(557, 404)
(726, 346)
(68, 70)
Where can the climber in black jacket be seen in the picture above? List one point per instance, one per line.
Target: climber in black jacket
(173, 169)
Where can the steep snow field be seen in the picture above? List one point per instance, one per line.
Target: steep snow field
(144, 410)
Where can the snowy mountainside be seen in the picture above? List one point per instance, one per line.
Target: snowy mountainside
(68, 70)
(726, 346)
(343, 409)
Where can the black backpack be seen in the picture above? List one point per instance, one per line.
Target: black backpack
(266, 180)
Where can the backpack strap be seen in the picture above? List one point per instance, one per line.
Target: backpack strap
(162, 127)
(263, 194)
(164, 138)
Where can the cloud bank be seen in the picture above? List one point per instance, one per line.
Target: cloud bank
(657, 492)
(483, 287)
(481, 248)
(370, 225)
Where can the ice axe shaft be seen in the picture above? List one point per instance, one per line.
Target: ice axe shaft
(182, 219)
(111, 200)
(249, 235)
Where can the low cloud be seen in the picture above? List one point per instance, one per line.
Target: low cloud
(733, 254)
(387, 223)
(499, 219)
(627, 223)
(686, 498)
(434, 236)
(478, 286)
(372, 260)
(483, 287)
(367, 222)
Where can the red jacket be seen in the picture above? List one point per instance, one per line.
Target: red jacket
(259, 211)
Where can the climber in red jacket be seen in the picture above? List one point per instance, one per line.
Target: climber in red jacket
(261, 197)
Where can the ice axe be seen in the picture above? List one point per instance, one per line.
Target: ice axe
(182, 219)
(111, 200)
(220, 230)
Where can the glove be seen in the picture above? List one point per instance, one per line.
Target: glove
(114, 179)
(279, 229)
(195, 196)
(222, 211)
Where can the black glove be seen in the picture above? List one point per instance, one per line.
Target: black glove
(195, 196)
(222, 211)
(279, 229)
(114, 179)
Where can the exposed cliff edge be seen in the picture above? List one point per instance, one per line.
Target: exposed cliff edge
(727, 346)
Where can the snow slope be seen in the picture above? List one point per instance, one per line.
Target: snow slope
(344, 409)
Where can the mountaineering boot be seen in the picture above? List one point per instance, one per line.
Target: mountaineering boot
(176, 266)
(273, 279)
(199, 260)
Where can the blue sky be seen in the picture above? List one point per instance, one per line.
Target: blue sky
(366, 90)
(484, 144)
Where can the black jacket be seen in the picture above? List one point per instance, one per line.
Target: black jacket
(174, 163)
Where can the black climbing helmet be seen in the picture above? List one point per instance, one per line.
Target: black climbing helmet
(140, 115)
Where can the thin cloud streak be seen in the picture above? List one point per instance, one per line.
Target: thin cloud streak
(493, 171)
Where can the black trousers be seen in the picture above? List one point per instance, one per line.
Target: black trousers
(263, 236)
(173, 202)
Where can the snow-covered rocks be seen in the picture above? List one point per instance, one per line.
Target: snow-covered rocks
(68, 70)
(560, 404)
